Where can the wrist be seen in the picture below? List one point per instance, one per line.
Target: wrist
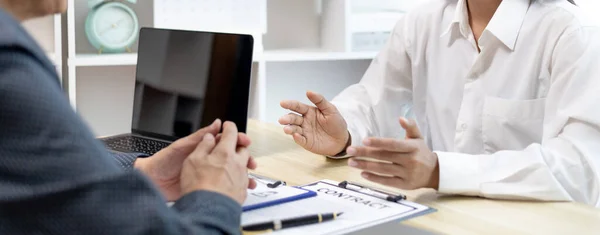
(141, 164)
(342, 152)
(434, 180)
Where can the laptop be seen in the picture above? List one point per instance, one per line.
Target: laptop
(184, 81)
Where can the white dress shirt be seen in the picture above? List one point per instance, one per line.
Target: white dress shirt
(518, 120)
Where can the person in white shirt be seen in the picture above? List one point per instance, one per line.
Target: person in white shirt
(505, 95)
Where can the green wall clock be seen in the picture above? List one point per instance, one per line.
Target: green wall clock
(111, 26)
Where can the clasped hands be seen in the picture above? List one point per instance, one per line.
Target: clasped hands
(204, 160)
(401, 163)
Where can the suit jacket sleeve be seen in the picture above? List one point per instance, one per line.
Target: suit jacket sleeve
(56, 178)
(126, 160)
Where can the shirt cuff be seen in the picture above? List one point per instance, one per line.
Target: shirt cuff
(357, 139)
(459, 174)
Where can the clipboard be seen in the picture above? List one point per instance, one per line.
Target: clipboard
(361, 207)
(388, 196)
(271, 192)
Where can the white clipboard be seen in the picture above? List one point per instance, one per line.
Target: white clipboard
(360, 209)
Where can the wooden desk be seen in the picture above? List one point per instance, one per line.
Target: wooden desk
(279, 157)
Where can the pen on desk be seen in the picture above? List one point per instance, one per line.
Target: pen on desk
(372, 192)
(292, 222)
(269, 182)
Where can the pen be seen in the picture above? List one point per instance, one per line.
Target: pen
(264, 180)
(293, 222)
(371, 192)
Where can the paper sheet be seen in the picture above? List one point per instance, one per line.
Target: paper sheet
(360, 210)
(262, 194)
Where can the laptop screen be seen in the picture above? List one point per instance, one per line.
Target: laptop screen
(185, 80)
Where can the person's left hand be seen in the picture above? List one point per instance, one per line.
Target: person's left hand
(164, 167)
(405, 164)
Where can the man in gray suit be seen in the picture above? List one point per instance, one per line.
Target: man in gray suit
(56, 178)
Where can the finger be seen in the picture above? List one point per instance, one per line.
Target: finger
(299, 139)
(192, 140)
(243, 139)
(411, 128)
(382, 168)
(205, 146)
(322, 104)
(229, 137)
(295, 106)
(293, 129)
(213, 129)
(291, 119)
(393, 181)
(394, 145)
(252, 163)
(243, 156)
(252, 183)
(376, 153)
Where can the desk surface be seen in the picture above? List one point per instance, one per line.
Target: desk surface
(279, 157)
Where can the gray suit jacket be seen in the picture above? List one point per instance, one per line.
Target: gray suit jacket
(56, 178)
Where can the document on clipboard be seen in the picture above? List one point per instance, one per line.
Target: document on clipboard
(271, 194)
(361, 210)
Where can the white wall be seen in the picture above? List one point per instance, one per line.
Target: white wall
(42, 30)
(292, 80)
(107, 98)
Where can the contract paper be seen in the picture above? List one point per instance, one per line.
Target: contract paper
(360, 210)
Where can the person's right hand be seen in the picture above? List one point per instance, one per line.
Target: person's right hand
(219, 165)
(321, 129)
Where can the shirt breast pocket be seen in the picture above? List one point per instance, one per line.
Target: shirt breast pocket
(511, 124)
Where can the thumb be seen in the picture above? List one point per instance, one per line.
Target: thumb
(412, 130)
(322, 104)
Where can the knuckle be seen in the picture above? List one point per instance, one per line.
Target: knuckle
(223, 151)
(396, 144)
(366, 152)
(390, 169)
(412, 160)
(363, 151)
(373, 166)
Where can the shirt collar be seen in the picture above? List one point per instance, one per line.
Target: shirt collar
(505, 25)
(507, 21)
(460, 21)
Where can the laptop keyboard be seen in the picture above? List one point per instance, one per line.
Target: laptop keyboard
(135, 144)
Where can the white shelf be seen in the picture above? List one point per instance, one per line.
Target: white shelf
(91, 60)
(103, 59)
(314, 55)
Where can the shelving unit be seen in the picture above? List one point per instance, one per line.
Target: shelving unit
(290, 57)
(103, 60)
(297, 55)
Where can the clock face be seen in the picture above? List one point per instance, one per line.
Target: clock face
(114, 25)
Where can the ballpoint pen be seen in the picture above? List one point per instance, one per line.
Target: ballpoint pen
(291, 222)
(372, 192)
(269, 182)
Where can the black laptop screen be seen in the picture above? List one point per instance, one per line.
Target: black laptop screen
(185, 80)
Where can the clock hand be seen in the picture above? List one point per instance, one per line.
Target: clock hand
(112, 26)
(119, 22)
